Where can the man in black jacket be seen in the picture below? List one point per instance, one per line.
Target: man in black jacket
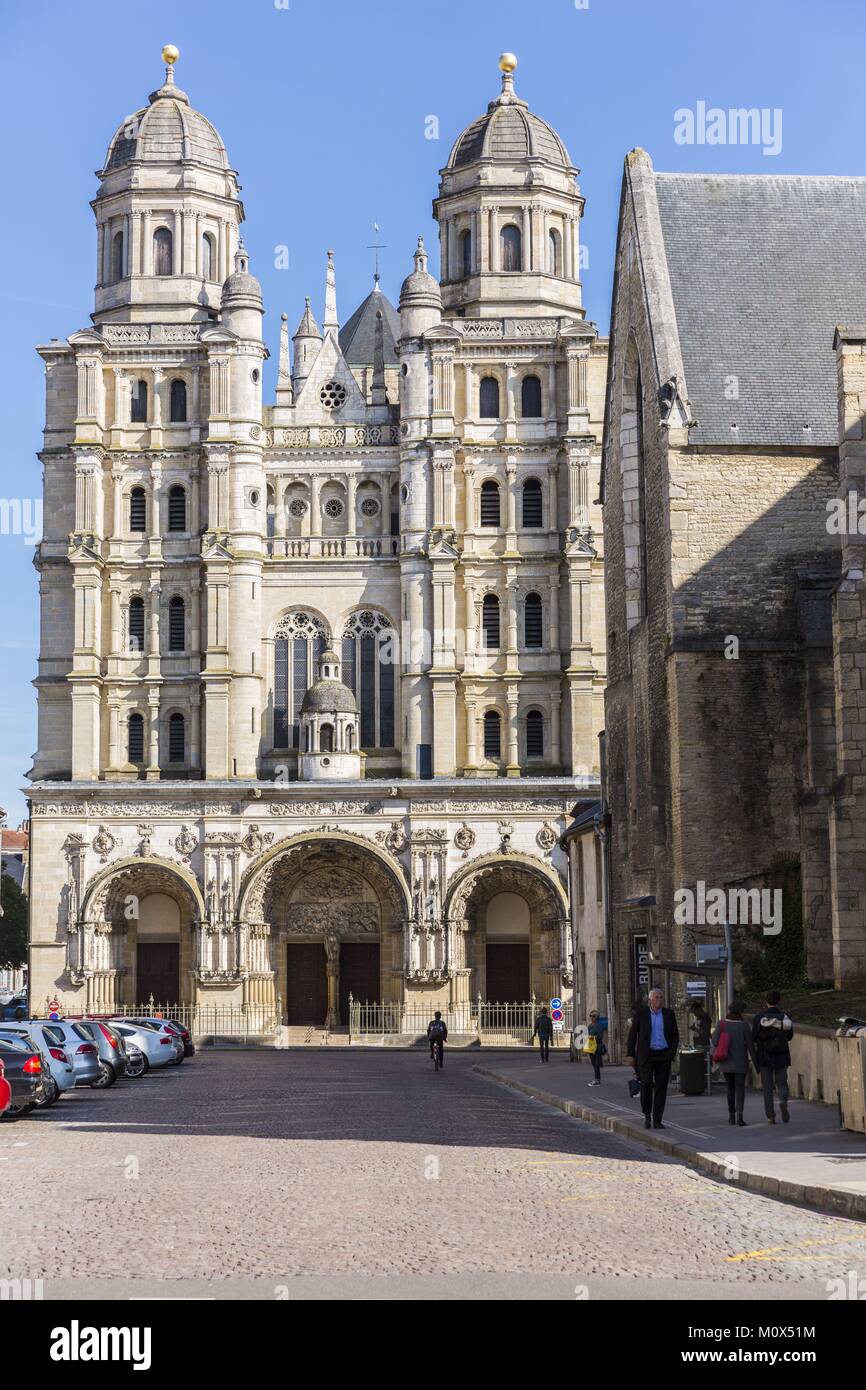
(772, 1031)
(653, 1041)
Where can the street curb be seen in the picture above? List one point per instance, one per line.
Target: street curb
(826, 1200)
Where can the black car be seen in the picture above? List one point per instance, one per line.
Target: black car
(24, 1072)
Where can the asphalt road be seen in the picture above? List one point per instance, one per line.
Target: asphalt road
(337, 1174)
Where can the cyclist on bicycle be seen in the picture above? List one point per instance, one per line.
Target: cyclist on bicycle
(437, 1032)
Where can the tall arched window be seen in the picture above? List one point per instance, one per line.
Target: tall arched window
(135, 739)
(532, 508)
(533, 621)
(176, 625)
(162, 251)
(510, 248)
(490, 503)
(137, 510)
(535, 734)
(554, 265)
(177, 508)
(326, 738)
(136, 624)
(116, 257)
(177, 403)
(176, 738)
(369, 656)
(138, 403)
(466, 253)
(208, 256)
(490, 621)
(492, 734)
(530, 398)
(299, 641)
(488, 398)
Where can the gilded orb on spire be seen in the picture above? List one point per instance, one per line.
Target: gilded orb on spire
(507, 62)
(170, 54)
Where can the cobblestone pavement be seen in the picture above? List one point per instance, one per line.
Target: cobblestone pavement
(241, 1170)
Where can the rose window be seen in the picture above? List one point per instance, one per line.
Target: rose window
(333, 395)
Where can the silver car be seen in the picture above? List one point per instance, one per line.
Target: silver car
(109, 1045)
(59, 1073)
(79, 1047)
(157, 1047)
(164, 1025)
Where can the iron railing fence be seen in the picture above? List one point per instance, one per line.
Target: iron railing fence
(209, 1020)
(494, 1024)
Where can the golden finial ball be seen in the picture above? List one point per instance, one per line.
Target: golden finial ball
(170, 54)
(507, 62)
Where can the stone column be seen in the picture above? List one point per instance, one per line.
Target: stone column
(177, 266)
(135, 243)
(513, 768)
(114, 759)
(468, 393)
(117, 510)
(147, 246)
(152, 771)
(332, 968)
(471, 731)
(116, 625)
(511, 506)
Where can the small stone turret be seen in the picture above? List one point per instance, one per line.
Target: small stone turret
(307, 343)
(330, 733)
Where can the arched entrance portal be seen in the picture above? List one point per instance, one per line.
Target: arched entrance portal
(335, 914)
(135, 936)
(512, 916)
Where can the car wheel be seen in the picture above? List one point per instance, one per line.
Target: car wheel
(106, 1077)
(137, 1066)
(52, 1094)
(17, 1112)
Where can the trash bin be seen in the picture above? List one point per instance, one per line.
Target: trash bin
(693, 1071)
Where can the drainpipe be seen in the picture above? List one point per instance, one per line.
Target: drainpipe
(602, 822)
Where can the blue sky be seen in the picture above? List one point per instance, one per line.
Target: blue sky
(323, 108)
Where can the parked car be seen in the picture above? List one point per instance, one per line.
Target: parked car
(14, 1009)
(110, 1047)
(78, 1046)
(165, 1026)
(57, 1065)
(186, 1035)
(159, 1049)
(5, 1090)
(22, 1067)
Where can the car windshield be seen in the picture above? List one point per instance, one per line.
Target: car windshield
(53, 1033)
(83, 1030)
(10, 1043)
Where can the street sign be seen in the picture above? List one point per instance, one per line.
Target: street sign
(696, 989)
(557, 1015)
(556, 1003)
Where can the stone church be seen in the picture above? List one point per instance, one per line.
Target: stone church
(736, 608)
(320, 678)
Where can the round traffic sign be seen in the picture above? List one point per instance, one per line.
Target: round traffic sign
(556, 1003)
(557, 1015)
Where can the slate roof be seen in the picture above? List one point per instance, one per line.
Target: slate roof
(762, 268)
(358, 334)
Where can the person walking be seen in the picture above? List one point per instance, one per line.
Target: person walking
(596, 1030)
(772, 1031)
(733, 1049)
(543, 1030)
(653, 1043)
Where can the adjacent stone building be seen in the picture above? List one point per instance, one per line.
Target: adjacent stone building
(318, 677)
(736, 630)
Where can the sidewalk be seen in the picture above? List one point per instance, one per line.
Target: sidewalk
(810, 1160)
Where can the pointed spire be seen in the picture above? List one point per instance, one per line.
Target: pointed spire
(420, 257)
(307, 328)
(378, 394)
(331, 320)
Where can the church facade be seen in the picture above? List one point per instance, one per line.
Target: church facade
(320, 679)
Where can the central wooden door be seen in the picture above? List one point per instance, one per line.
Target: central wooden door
(158, 972)
(359, 974)
(307, 984)
(507, 972)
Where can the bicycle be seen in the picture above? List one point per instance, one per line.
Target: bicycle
(437, 1052)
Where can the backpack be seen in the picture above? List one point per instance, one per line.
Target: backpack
(773, 1041)
(723, 1046)
(437, 1030)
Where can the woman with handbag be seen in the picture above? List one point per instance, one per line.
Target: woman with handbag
(732, 1051)
(594, 1046)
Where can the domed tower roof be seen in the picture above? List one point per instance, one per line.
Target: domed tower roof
(509, 131)
(241, 284)
(328, 695)
(166, 131)
(420, 287)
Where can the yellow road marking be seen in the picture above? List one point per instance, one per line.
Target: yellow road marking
(778, 1249)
